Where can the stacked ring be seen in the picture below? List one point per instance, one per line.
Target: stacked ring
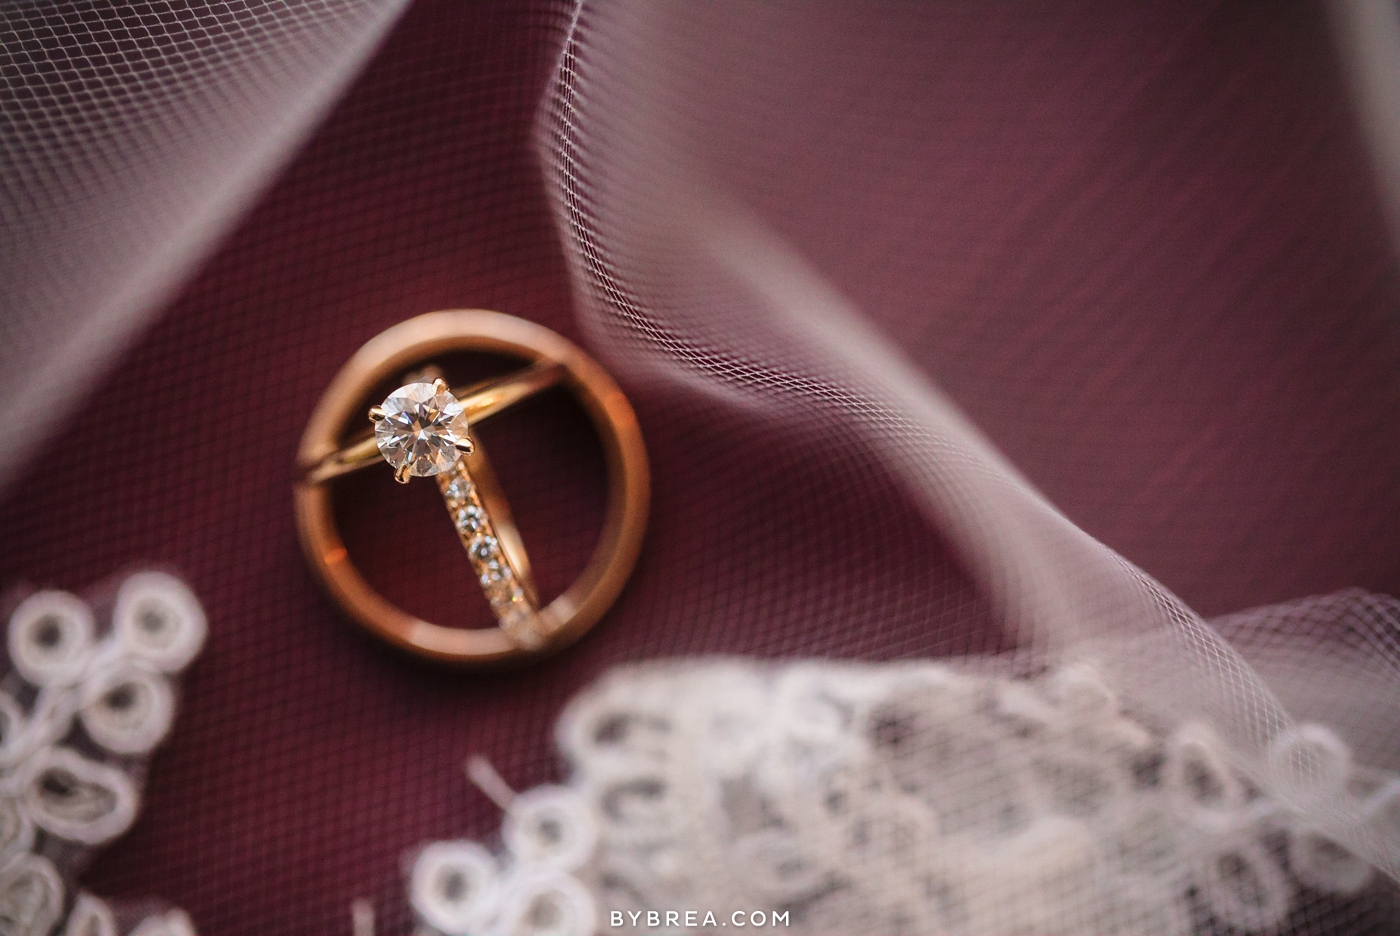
(423, 429)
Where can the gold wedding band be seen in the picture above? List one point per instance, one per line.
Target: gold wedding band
(423, 429)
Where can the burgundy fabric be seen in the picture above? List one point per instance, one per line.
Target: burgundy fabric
(1185, 334)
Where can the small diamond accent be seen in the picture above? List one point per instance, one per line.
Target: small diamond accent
(493, 572)
(469, 519)
(458, 489)
(420, 429)
(483, 548)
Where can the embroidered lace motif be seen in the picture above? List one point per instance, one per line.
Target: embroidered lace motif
(909, 798)
(80, 710)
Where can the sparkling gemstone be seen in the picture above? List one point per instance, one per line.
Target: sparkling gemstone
(469, 519)
(420, 429)
(459, 489)
(483, 548)
(493, 572)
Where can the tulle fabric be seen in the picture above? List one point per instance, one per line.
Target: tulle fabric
(693, 209)
(135, 134)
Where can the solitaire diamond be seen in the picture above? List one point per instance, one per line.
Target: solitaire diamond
(420, 429)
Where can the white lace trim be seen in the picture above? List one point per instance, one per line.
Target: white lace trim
(909, 798)
(84, 704)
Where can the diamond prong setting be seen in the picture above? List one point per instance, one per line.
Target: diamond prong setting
(420, 429)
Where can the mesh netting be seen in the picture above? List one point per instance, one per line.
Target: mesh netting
(135, 133)
(852, 263)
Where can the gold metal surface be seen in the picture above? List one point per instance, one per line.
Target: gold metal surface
(323, 456)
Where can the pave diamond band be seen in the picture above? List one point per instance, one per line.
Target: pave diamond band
(504, 584)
